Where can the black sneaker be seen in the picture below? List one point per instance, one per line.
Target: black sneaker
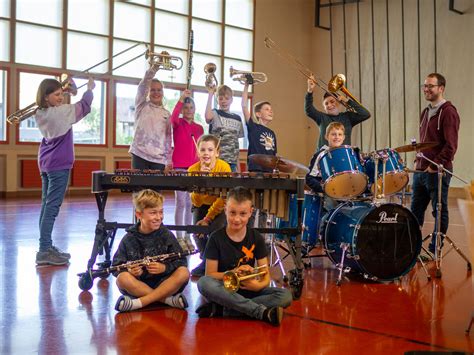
(210, 310)
(273, 315)
(61, 253)
(199, 270)
(50, 257)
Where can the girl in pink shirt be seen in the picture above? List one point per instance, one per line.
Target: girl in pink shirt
(186, 132)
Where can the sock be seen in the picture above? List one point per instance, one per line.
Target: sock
(126, 303)
(177, 301)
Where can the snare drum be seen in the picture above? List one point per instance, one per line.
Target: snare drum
(342, 173)
(396, 178)
(311, 217)
(383, 241)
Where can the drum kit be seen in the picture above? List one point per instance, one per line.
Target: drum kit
(362, 232)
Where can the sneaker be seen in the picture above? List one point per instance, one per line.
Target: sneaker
(189, 243)
(50, 257)
(273, 315)
(210, 310)
(61, 253)
(199, 270)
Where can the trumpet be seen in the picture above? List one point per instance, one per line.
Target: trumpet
(163, 60)
(247, 76)
(69, 86)
(232, 280)
(335, 84)
(211, 79)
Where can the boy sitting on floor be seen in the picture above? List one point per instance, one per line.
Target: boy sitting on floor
(142, 285)
(237, 247)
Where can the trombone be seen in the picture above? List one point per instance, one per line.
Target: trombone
(247, 76)
(232, 280)
(211, 79)
(335, 84)
(163, 60)
(69, 86)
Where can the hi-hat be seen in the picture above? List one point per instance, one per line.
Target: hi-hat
(415, 147)
(278, 163)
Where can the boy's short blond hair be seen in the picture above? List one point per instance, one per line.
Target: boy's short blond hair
(148, 199)
(335, 125)
(222, 90)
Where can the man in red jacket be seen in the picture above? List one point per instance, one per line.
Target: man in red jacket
(439, 122)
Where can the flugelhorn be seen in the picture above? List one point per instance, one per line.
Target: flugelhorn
(232, 280)
(164, 60)
(244, 76)
(31, 109)
(211, 79)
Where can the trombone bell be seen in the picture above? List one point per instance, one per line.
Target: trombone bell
(247, 76)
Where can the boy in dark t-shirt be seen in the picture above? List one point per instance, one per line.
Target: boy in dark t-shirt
(236, 247)
(262, 140)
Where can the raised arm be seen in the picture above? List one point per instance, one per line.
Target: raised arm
(83, 107)
(177, 108)
(245, 99)
(209, 115)
(309, 108)
(144, 87)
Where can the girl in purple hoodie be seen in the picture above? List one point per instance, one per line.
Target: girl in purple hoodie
(55, 158)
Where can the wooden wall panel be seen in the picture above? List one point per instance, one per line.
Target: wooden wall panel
(30, 175)
(82, 172)
(123, 164)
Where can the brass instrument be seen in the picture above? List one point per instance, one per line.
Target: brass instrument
(141, 262)
(163, 60)
(335, 84)
(247, 76)
(211, 79)
(69, 86)
(232, 280)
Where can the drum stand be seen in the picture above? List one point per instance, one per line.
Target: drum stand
(275, 259)
(438, 253)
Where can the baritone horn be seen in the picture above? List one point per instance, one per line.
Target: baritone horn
(69, 87)
(247, 76)
(211, 79)
(163, 60)
(232, 280)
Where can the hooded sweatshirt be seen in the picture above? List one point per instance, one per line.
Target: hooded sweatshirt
(441, 128)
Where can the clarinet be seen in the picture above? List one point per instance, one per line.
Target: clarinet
(190, 59)
(141, 262)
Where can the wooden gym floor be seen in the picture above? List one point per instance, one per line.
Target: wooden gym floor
(42, 309)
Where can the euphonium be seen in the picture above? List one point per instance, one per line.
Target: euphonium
(243, 76)
(163, 60)
(232, 280)
(211, 79)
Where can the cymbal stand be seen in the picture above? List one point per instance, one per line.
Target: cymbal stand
(378, 198)
(438, 241)
(275, 258)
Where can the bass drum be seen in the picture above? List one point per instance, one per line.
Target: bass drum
(383, 241)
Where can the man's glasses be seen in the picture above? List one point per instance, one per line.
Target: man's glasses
(429, 86)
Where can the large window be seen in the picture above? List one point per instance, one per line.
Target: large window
(3, 105)
(90, 130)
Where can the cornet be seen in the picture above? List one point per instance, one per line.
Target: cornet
(163, 60)
(211, 79)
(232, 280)
(244, 76)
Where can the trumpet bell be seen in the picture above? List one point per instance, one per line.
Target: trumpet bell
(231, 281)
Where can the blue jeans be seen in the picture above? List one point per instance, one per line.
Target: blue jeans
(235, 304)
(54, 185)
(425, 188)
(233, 167)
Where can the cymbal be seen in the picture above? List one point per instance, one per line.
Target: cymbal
(278, 163)
(415, 147)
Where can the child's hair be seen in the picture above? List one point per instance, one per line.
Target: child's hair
(240, 194)
(148, 199)
(335, 125)
(224, 89)
(155, 80)
(326, 95)
(189, 100)
(208, 138)
(258, 106)
(47, 86)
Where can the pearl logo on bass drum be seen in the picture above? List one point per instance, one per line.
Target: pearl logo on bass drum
(120, 180)
(385, 219)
